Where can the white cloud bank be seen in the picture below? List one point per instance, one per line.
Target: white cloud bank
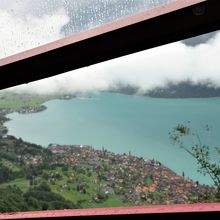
(174, 62)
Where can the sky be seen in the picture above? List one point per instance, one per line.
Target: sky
(30, 23)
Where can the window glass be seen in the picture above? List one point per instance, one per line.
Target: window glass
(138, 130)
(26, 24)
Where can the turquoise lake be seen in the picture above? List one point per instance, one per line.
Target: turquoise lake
(123, 123)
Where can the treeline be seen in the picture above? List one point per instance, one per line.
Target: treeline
(41, 197)
(3, 119)
(15, 162)
(7, 174)
(184, 89)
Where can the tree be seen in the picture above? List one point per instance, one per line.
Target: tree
(206, 165)
(5, 174)
(11, 200)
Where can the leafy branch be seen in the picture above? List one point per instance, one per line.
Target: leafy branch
(197, 150)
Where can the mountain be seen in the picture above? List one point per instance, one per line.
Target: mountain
(185, 89)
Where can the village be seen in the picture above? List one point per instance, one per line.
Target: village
(81, 176)
(84, 177)
(139, 181)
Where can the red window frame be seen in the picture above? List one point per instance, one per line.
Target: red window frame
(180, 212)
(172, 22)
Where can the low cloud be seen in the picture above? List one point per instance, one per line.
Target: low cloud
(146, 70)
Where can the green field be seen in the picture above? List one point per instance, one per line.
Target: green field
(112, 201)
(23, 184)
(10, 165)
(16, 102)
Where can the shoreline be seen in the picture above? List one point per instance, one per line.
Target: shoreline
(179, 169)
(97, 178)
(100, 175)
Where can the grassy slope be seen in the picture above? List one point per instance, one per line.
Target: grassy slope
(74, 195)
(10, 165)
(16, 102)
(21, 183)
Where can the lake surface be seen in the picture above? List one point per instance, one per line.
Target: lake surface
(123, 123)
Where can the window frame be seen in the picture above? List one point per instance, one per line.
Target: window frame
(169, 23)
(154, 212)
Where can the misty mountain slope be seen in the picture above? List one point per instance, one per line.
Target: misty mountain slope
(185, 89)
